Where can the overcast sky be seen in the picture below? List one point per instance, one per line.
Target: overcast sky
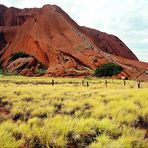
(127, 19)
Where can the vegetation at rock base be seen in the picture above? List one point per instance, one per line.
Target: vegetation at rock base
(41, 69)
(1, 68)
(108, 69)
(1, 71)
(34, 113)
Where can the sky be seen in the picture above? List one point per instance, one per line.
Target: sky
(127, 19)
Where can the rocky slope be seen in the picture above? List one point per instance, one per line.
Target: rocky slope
(111, 44)
(55, 45)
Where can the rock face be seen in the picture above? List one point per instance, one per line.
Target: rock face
(55, 41)
(111, 44)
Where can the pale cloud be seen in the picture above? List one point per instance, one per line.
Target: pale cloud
(6, 3)
(126, 19)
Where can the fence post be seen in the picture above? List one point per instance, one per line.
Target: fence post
(87, 84)
(52, 82)
(106, 83)
(139, 84)
(82, 82)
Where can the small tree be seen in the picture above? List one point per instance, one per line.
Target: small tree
(108, 69)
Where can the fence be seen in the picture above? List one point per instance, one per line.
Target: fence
(80, 83)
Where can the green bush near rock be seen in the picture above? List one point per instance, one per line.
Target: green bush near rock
(108, 69)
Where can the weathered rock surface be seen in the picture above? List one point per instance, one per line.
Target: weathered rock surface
(53, 39)
(111, 44)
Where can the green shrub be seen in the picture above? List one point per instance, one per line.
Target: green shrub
(40, 71)
(18, 55)
(1, 71)
(108, 69)
(9, 73)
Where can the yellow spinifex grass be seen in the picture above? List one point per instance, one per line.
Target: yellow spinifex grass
(33, 113)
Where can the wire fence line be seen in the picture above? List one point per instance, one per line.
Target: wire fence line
(78, 83)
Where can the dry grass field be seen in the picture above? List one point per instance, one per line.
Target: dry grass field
(36, 114)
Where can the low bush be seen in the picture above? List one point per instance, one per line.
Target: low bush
(1, 68)
(9, 73)
(108, 69)
(1, 71)
(40, 71)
